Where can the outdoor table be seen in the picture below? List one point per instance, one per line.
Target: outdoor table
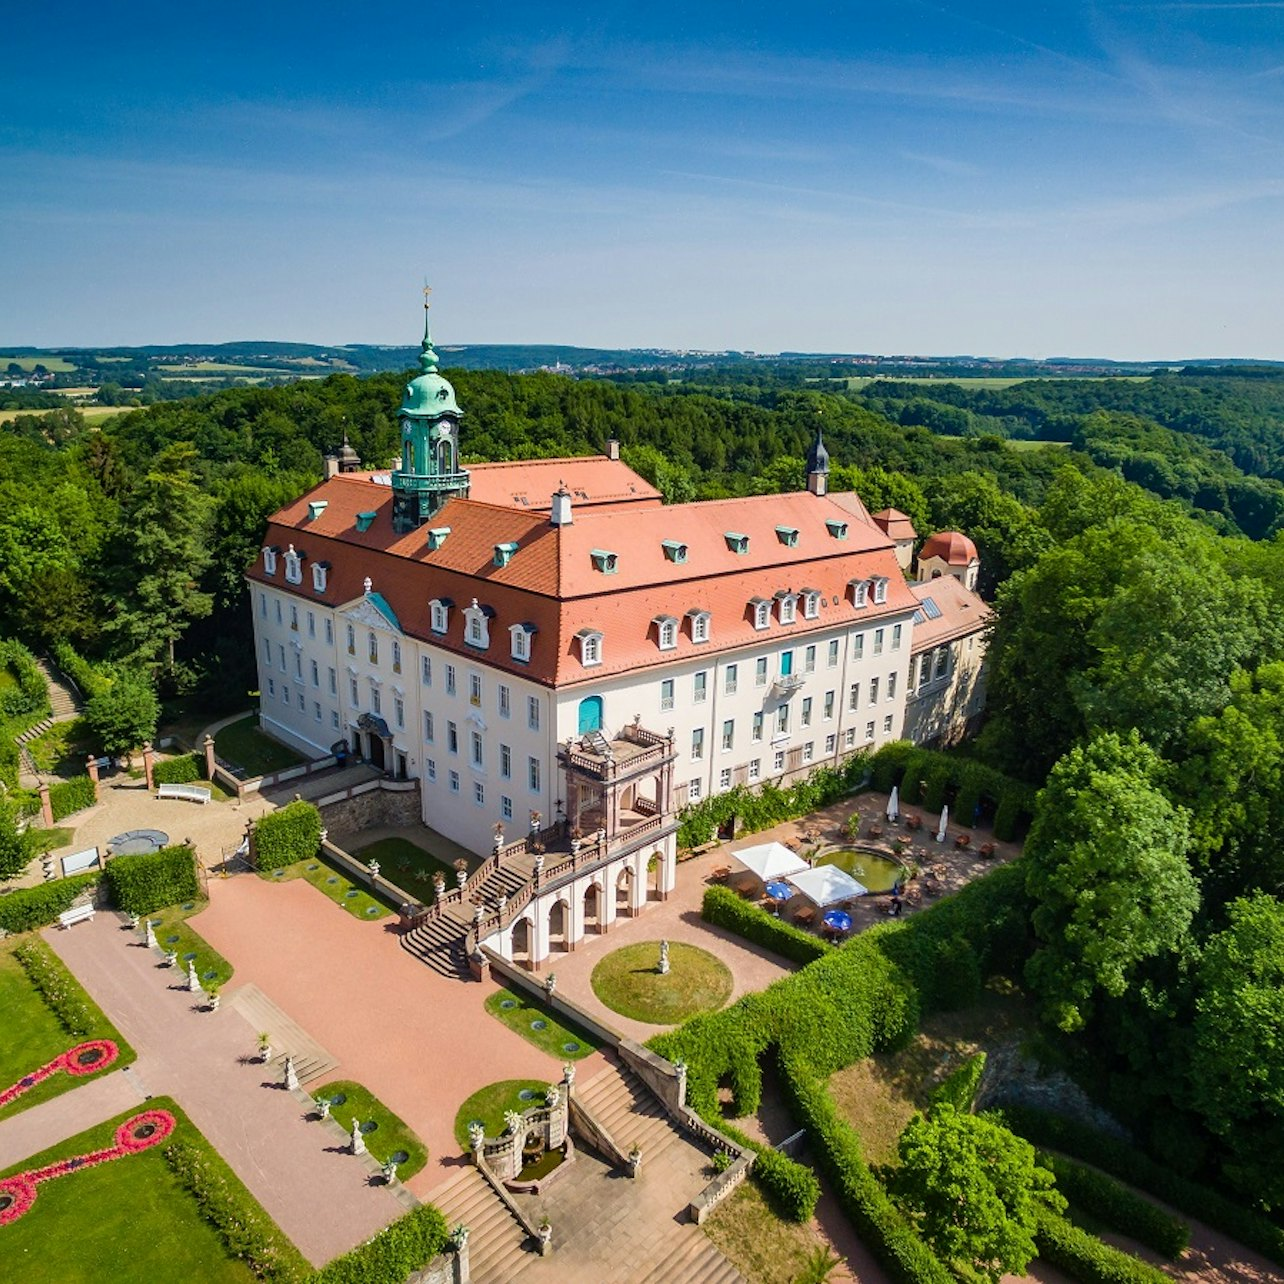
(805, 915)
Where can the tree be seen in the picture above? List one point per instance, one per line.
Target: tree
(1237, 1061)
(1107, 871)
(17, 846)
(974, 1189)
(124, 715)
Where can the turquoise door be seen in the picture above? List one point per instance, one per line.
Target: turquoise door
(786, 663)
(590, 714)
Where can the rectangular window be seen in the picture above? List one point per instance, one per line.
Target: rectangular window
(396, 656)
(334, 719)
(831, 743)
(695, 788)
(913, 673)
(829, 705)
(869, 731)
(756, 733)
(454, 782)
(887, 725)
(805, 720)
(280, 655)
(294, 617)
(298, 666)
(831, 658)
(476, 749)
(532, 712)
(479, 793)
(505, 701)
(277, 604)
(430, 767)
(760, 671)
(333, 680)
(782, 719)
(399, 710)
(849, 738)
(312, 625)
(428, 726)
(352, 691)
(873, 690)
(858, 647)
(329, 632)
(697, 744)
(450, 679)
(352, 640)
(809, 751)
(779, 761)
(724, 778)
(942, 661)
(809, 660)
(853, 697)
(376, 700)
(532, 774)
(891, 686)
(372, 648)
(729, 679)
(267, 650)
(316, 708)
(452, 738)
(303, 704)
(285, 693)
(506, 762)
(475, 689)
(700, 687)
(316, 674)
(272, 687)
(263, 605)
(728, 734)
(425, 670)
(666, 693)
(755, 769)
(896, 637)
(878, 641)
(506, 806)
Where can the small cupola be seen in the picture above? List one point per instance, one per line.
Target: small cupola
(818, 466)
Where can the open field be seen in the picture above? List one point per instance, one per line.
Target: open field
(216, 368)
(58, 365)
(92, 413)
(856, 382)
(1038, 445)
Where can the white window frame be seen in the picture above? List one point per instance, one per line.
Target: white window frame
(318, 577)
(269, 560)
(438, 616)
(293, 567)
(787, 608)
(591, 649)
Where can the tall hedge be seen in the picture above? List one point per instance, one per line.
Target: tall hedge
(186, 769)
(39, 906)
(404, 1246)
(30, 696)
(70, 796)
(723, 908)
(1085, 1258)
(959, 1088)
(141, 884)
(284, 836)
(89, 680)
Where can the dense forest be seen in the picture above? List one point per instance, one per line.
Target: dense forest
(1137, 569)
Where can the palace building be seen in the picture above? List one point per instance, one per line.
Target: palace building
(545, 640)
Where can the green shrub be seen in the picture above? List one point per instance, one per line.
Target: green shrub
(90, 681)
(141, 884)
(60, 990)
(1085, 1258)
(407, 1244)
(70, 796)
(183, 770)
(246, 1231)
(792, 1186)
(958, 1089)
(1118, 1206)
(1124, 1161)
(723, 908)
(284, 836)
(39, 906)
(30, 697)
(888, 765)
(939, 776)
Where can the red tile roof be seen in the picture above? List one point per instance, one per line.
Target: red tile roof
(530, 483)
(961, 612)
(896, 524)
(951, 546)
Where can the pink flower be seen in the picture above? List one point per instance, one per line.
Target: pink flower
(17, 1194)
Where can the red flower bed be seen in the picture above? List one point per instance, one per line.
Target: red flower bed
(143, 1131)
(84, 1059)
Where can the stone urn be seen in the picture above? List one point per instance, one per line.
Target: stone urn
(635, 1161)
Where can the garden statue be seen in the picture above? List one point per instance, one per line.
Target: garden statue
(171, 958)
(389, 1171)
(439, 884)
(193, 981)
(323, 1107)
(265, 1048)
(149, 936)
(513, 1122)
(213, 997)
(374, 869)
(664, 958)
(133, 921)
(635, 1160)
(291, 1079)
(459, 1237)
(552, 1096)
(535, 820)
(358, 1141)
(568, 1073)
(322, 836)
(545, 1236)
(476, 1134)
(550, 984)
(539, 862)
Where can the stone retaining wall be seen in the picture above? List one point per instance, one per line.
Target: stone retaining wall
(371, 805)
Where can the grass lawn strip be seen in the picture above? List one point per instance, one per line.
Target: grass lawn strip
(245, 745)
(392, 1134)
(518, 1012)
(33, 1034)
(172, 923)
(407, 865)
(491, 1103)
(760, 1244)
(337, 885)
(130, 1219)
(628, 982)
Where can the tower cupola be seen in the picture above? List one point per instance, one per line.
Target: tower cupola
(818, 466)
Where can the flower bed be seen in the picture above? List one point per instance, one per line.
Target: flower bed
(83, 1059)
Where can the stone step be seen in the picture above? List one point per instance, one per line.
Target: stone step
(312, 1063)
(440, 944)
(692, 1259)
(497, 1247)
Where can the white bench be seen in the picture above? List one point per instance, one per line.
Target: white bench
(192, 793)
(76, 914)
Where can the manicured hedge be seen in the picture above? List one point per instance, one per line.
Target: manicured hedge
(407, 1244)
(959, 1088)
(70, 796)
(183, 770)
(30, 696)
(60, 990)
(141, 884)
(1117, 1205)
(1085, 1258)
(724, 908)
(1124, 1161)
(74, 666)
(284, 836)
(39, 906)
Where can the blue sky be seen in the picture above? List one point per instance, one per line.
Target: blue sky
(1008, 179)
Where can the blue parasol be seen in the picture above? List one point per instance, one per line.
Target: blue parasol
(779, 891)
(838, 920)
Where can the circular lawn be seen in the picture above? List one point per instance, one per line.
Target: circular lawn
(490, 1104)
(628, 981)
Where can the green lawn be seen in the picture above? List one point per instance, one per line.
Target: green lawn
(172, 922)
(62, 749)
(520, 1012)
(392, 1135)
(338, 886)
(56, 365)
(493, 1102)
(33, 1035)
(129, 1219)
(245, 745)
(409, 866)
(628, 982)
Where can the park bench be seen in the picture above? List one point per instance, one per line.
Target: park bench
(192, 793)
(77, 914)
(80, 862)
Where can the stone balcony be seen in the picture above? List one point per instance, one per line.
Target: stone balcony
(633, 751)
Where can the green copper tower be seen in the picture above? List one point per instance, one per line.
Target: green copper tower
(429, 472)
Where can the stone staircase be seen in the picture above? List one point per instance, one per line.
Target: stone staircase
(440, 941)
(312, 1063)
(64, 700)
(497, 1244)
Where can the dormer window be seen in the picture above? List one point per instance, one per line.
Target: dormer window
(860, 592)
(761, 609)
(590, 647)
(787, 535)
(607, 563)
(674, 550)
(504, 553)
(520, 636)
(477, 625)
(316, 507)
(319, 572)
(666, 632)
(699, 625)
(366, 520)
(736, 542)
(787, 606)
(837, 529)
(810, 603)
(293, 566)
(437, 537)
(269, 559)
(880, 591)
(439, 614)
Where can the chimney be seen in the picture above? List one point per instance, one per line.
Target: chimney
(613, 448)
(330, 466)
(561, 514)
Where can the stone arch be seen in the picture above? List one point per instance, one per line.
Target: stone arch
(655, 875)
(624, 891)
(523, 939)
(593, 907)
(558, 936)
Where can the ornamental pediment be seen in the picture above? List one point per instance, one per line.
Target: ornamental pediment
(364, 612)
